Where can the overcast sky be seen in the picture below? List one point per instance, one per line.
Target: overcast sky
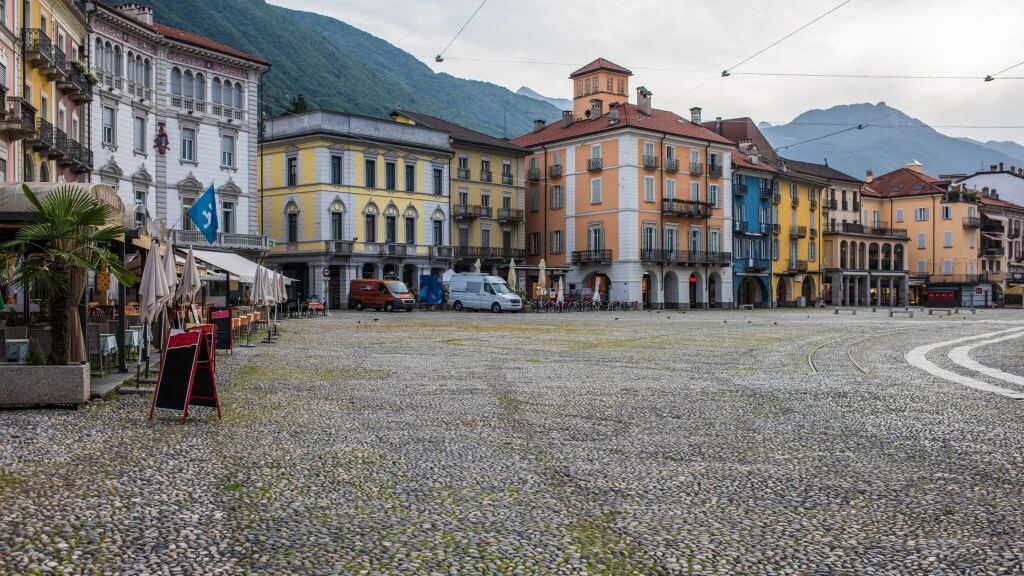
(678, 48)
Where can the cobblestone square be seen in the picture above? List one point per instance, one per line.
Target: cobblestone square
(704, 442)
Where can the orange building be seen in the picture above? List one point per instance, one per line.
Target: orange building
(633, 195)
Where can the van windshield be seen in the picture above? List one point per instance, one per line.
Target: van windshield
(397, 287)
(501, 288)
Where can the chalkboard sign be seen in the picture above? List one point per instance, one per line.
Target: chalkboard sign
(177, 372)
(221, 320)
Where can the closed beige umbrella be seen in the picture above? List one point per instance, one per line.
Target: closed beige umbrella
(542, 280)
(512, 279)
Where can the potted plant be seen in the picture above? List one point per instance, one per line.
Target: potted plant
(65, 236)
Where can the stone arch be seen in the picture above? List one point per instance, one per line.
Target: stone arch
(695, 285)
(29, 169)
(671, 283)
(843, 253)
(783, 291)
(44, 171)
(886, 256)
(874, 262)
(897, 257)
(809, 290)
(715, 285)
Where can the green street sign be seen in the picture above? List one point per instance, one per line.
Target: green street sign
(272, 243)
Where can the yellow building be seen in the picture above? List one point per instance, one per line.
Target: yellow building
(488, 196)
(347, 196)
(55, 91)
(943, 225)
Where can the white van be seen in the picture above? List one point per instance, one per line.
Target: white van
(478, 291)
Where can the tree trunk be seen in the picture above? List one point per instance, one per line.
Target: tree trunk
(59, 330)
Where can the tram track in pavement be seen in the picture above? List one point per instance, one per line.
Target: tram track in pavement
(849, 349)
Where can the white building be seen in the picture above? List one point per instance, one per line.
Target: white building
(1007, 183)
(175, 113)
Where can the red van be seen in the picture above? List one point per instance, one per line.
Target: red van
(386, 295)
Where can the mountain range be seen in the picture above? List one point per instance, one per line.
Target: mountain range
(339, 67)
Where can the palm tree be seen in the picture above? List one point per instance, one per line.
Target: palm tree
(65, 232)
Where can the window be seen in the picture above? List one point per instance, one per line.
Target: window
(557, 242)
(899, 215)
(485, 170)
(227, 151)
(670, 152)
(337, 222)
(534, 199)
(595, 238)
(535, 244)
(438, 182)
(293, 227)
(775, 249)
(971, 241)
(370, 174)
(947, 239)
(920, 214)
(109, 123)
(947, 267)
(713, 198)
(188, 144)
(485, 237)
(506, 173)
(389, 175)
(410, 230)
(186, 222)
(922, 266)
(438, 232)
(557, 197)
(670, 188)
(812, 251)
(649, 188)
(227, 221)
(595, 191)
(794, 191)
(595, 153)
(463, 197)
(140, 134)
(336, 170)
(292, 171)
(140, 211)
(410, 177)
(921, 240)
(947, 212)
(370, 226)
(695, 191)
(390, 228)
(649, 238)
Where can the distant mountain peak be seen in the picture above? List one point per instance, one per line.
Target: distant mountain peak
(560, 103)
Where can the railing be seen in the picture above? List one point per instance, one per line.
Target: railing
(506, 179)
(141, 91)
(877, 229)
(798, 231)
(797, 266)
(960, 197)
(463, 174)
(532, 174)
(592, 256)
(972, 222)
(814, 204)
(444, 252)
(224, 240)
(776, 197)
(814, 233)
(555, 170)
(488, 253)
(28, 118)
(992, 227)
(795, 200)
(957, 278)
(753, 264)
(766, 193)
(83, 85)
(993, 251)
(342, 247)
(485, 176)
(686, 257)
(856, 205)
(688, 208)
(465, 211)
(1013, 233)
(714, 170)
(776, 228)
(60, 143)
(60, 62)
(394, 250)
(829, 204)
(485, 211)
(38, 46)
(594, 164)
(45, 133)
(671, 165)
(511, 215)
(696, 169)
(650, 161)
(652, 255)
(740, 226)
(739, 189)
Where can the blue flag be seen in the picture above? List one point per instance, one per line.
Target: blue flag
(204, 213)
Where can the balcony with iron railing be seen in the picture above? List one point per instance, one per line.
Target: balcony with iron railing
(594, 164)
(776, 229)
(18, 122)
(715, 170)
(829, 204)
(485, 175)
(57, 68)
(685, 208)
(650, 161)
(755, 265)
(972, 222)
(506, 179)
(555, 171)
(814, 204)
(82, 91)
(796, 266)
(44, 136)
(488, 253)
(766, 193)
(532, 174)
(739, 189)
(798, 231)
(603, 256)
(960, 196)
(776, 197)
(992, 251)
(671, 165)
(1014, 232)
(465, 211)
(696, 169)
(511, 215)
(856, 205)
(486, 211)
(38, 47)
(740, 226)
(795, 199)
(60, 147)
(228, 241)
(957, 278)
(992, 227)
(880, 229)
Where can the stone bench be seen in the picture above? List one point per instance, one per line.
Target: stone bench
(908, 313)
(746, 306)
(852, 311)
(940, 311)
(957, 310)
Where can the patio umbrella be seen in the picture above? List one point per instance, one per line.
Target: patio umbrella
(258, 295)
(512, 280)
(561, 292)
(476, 265)
(597, 290)
(190, 283)
(153, 287)
(170, 273)
(542, 279)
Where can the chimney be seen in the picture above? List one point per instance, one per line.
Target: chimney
(1000, 166)
(596, 107)
(915, 166)
(869, 176)
(745, 144)
(718, 125)
(538, 125)
(141, 13)
(643, 100)
(752, 155)
(566, 118)
(695, 115)
(613, 113)
(993, 195)
(992, 167)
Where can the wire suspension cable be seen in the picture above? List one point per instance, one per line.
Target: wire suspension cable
(440, 56)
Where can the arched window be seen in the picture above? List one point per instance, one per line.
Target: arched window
(30, 169)
(176, 81)
(97, 55)
(410, 225)
(842, 254)
(215, 90)
(118, 68)
(140, 70)
(200, 87)
(370, 223)
(238, 95)
(188, 86)
(897, 263)
(886, 257)
(292, 212)
(131, 67)
(108, 57)
(337, 220)
(437, 227)
(227, 94)
(148, 70)
(44, 172)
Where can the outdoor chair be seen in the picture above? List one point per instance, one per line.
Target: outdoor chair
(94, 347)
(16, 332)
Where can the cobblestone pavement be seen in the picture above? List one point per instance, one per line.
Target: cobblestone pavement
(594, 443)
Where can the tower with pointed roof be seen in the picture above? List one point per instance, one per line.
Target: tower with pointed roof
(600, 81)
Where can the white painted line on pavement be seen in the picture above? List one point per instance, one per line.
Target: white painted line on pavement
(919, 357)
(961, 356)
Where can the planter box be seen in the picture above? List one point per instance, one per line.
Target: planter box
(25, 385)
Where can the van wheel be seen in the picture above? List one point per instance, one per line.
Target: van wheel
(358, 305)
(389, 307)
(457, 306)
(496, 308)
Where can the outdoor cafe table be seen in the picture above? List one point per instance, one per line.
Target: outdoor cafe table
(108, 343)
(17, 350)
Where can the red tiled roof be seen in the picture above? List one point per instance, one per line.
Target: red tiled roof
(660, 121)
(600, 64)
(737, 129)
(462, 134)
(905, 182)
(998, 203)
(741, 161)
(818, 170)
(202, 42)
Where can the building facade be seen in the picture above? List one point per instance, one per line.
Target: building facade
(629, 198)
(1000, 251)
(755, 184)
(15, 124)
(488, 197)
(358, 197)
(176, 112)
(1007, 182)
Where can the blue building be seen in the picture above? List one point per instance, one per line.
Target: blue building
(755, 220)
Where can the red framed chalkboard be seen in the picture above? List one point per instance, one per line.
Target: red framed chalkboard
(187, 373)
(220, 318)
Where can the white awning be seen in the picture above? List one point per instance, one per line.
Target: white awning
(992, 216)
(992, 236)
(232, 263)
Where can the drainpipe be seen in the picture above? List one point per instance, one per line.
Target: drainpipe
(707, 291)
(661, 219)
(771, 244)
(544, 207)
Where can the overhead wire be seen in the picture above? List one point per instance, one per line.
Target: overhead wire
(440, 55)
